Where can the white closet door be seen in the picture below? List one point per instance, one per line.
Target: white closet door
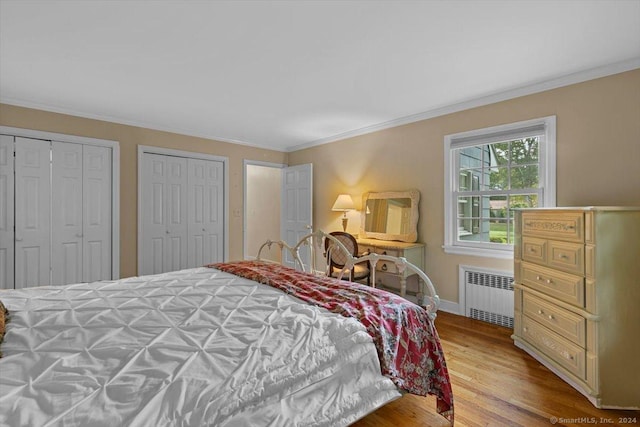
(297, 191)
(66, 213)
(32, 212)
(154, 222)
(176, 213)
(96, 224)
(164, 219)
(6, 212)
(206, 218)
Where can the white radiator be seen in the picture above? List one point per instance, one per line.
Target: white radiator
(487, 295)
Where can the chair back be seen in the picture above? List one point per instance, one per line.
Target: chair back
(336, 256)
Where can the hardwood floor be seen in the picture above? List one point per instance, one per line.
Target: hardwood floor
(495, 384)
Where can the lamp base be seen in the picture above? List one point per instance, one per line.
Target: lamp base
(345, 220)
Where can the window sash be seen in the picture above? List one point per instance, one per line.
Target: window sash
(503, 135)
(545, 129)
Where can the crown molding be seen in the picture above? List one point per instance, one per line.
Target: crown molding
(491, 98)
(140, 124)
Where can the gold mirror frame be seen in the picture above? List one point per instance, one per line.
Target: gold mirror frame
(412, 234)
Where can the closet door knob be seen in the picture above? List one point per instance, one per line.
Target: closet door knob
(79, 235)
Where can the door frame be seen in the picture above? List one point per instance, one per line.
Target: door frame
(115, 178)
(148, 149)
(246, 163)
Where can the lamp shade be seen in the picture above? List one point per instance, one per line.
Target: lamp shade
(344, 203)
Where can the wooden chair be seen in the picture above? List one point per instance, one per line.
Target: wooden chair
(336, 258)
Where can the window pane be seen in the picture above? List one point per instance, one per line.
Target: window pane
(498, 179)
(469, 180)
(498, 231)
(525, 151)
(524, 177)
(499, 154)
(498, 207)
(470, 157)
(510, 232)
(523, 201)
(474, 229)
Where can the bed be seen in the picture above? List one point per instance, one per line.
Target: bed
(249, 343)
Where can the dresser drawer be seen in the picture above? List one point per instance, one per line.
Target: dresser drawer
(567, 226)
(565, 287)
(562, 351)
(567, 324)
(565, 256)
(386, 266)
(364, 249)
(534, 250)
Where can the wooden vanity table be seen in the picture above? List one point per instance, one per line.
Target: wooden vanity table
(389, 226)
(387, 272)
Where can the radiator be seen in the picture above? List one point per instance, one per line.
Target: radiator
(488, 295)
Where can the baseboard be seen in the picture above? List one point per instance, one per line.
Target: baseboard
(450, 307)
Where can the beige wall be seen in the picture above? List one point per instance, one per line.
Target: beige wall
(598, 161)
(129, 137)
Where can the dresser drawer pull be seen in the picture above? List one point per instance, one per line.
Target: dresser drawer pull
(563, 256)
(540, 312)
(551, 317)
(540, 279)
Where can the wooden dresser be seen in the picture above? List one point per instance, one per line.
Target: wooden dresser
(577, 298)
(387, 275)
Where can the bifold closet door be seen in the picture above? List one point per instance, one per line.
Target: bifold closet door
(6, 212)
(81, 213)
(97, 213)
(206, 216)
(164, 213)
(32, 212)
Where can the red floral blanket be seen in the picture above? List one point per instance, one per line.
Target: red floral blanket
(407, 341)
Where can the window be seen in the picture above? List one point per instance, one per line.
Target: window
(488, 173)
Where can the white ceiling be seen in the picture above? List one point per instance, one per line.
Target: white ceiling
(287, 74)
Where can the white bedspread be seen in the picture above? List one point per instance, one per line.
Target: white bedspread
(192, 348)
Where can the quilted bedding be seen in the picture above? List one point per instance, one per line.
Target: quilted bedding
(406, 339)
(198, 347)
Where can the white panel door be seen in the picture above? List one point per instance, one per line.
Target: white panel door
(163, 210)
(32, 212)
(6, 212)
(96, 213)
(297, 211)
(176, 213)
(81, 213)
(154, 221)
(205, 210)
(66, 213)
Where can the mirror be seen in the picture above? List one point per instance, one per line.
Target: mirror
(390, 216)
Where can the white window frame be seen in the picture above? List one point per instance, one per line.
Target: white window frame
(546, 170)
